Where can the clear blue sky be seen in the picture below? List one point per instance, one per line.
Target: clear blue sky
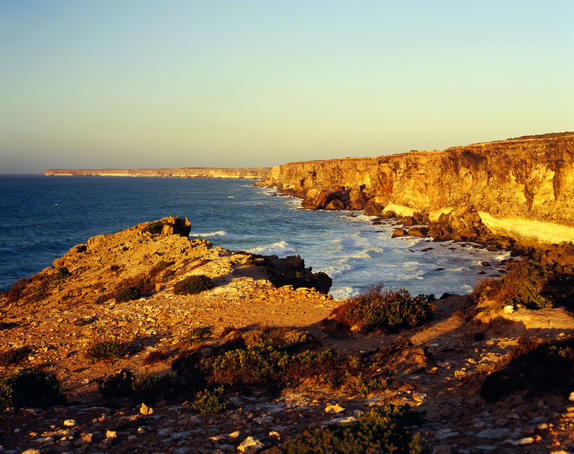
(120, 83)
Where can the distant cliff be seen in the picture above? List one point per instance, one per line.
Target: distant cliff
(522, 188)
(184, 172)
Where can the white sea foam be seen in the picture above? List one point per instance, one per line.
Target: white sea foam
(343, 292)
(208, 234)
(280, 248)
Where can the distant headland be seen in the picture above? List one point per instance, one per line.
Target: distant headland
(184, 172)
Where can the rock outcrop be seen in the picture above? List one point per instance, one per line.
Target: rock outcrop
(184, 172)
(521, 188)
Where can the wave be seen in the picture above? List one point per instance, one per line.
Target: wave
(280, 248)
(209, 234)
(343, 292)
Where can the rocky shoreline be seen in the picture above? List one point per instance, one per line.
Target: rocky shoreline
(438, 368)
(515, 191)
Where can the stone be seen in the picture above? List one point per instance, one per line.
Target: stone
(399, 233)
(86, 437)
(419, 232)
(234, 434)
(571, 397)
(250, 445)
(69, 423)
(508, 309)
(111, 434)
(522, 442)
(336, 408)
(145, 410)
(493, 433)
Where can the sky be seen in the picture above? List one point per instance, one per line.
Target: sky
(246, 83)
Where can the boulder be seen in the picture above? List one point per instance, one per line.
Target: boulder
(419, 232)
(397, 233)
(291, 271)
(358, 199)
(372, 208)
(335, 204)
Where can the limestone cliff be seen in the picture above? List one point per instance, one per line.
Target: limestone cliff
(521, 187)
(184, 172)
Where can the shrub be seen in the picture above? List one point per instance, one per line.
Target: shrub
(63, 273)
(523, 284)
(154, 227)
(108, 350)
(378, 430)
(390, 310)
(32, 387)
(210, 401)
(538, 368)
(284, 338)
(14, 356)
(144, 388)
(192, 284)
(128, 294)
(275, 358)
(367, 385)
(250, 366)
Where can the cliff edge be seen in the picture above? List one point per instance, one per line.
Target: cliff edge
(521, 188)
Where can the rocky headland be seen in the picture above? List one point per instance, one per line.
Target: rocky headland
(521, 189)
(183, 172)
(164, 343)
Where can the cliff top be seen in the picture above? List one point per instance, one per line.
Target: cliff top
(509, 141)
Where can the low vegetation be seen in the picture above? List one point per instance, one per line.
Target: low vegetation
(387, 310)
(544, 279)
(522, 285)
(273, 358)
(537, 368)
(106, 350)
(382, 429)
(144, 387)
(192, 284)
(211, 401)
(154, 227)
(31, 388)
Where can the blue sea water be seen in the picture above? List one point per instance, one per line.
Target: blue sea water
(42, 217)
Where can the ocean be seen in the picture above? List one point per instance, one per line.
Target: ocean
(42, 217)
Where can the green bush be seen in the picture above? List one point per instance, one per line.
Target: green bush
(154, 227)
(381, 430)
(108, 350)
(211, 401)
(14, 356)
(192, 284)
(144, 388)
(128, 294)
(538, 368)
(523, 284)
(31, 388)
(280, 337)
(389, 310)
(274, 358)
(63, 273)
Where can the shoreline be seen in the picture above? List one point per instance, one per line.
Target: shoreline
(256, 173)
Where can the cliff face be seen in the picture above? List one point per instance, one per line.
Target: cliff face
(522, 187)
(185, 172)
